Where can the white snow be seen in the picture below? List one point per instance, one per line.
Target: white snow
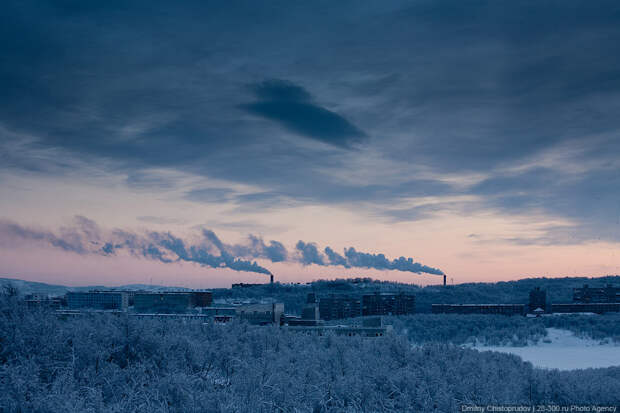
(562, 350)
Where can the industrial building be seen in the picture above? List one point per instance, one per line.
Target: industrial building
(538, 301)
(249, 285)
(310, 315)
(586, 294)
(220, 314)
(370, 327)
(597, 308)
(98, 300)
(165, 302)
(223, 310)
(504, 309)
(291, 320)
(171, 302)
(202, 298)
(311, 310)
(537, 305)
(261, 313)
(587, 300)
(246, 285)
(388, 304)
(42, 301)
(342, 306)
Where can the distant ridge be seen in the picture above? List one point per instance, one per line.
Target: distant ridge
(29, 287)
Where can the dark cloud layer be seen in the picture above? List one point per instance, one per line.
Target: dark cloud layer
(243, 92)
(290, 105)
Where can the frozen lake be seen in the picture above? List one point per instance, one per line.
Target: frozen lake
(564, 351)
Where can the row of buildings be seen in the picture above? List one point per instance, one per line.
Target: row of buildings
(341, 306)
(587, 294)
(160, 302)
(327, 308)
(503, 309)
(586, 299)
(179, 304)
(317, 310)
(598, 300)
(367, 327)
(370, 307)
(198, 305)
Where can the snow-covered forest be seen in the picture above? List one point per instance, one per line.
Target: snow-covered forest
(501, 330)
(103, 363)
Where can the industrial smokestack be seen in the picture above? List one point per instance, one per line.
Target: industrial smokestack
(444, 280)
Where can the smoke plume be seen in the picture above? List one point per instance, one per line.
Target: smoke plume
(85, 237)
(309, 254)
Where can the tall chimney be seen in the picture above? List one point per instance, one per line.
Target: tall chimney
(444, 280)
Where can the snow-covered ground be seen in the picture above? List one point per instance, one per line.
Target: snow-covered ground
(562, 350)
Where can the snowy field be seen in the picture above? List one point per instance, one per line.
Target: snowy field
(562, 350)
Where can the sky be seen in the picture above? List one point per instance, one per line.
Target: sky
(202, 143)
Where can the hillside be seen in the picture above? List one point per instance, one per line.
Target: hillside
(29, 287)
